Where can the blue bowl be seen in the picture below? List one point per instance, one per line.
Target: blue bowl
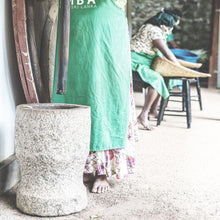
(185, 55)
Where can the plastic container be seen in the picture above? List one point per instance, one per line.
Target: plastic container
(185, 55)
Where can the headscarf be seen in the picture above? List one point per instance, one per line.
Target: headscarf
(171, 12)
(174, 12)
(162, 18)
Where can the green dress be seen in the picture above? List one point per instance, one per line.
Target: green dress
(141, 63)
(99, 70)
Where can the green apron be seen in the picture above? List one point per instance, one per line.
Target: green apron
(141, 63)
(99, 70)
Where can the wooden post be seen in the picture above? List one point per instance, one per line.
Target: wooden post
(213, 61)
(63, 57)
(42, 93)
(218, 72)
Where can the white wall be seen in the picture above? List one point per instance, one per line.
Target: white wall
(11, 92)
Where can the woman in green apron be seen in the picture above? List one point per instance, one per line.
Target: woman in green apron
(149, 41)
(99, 76)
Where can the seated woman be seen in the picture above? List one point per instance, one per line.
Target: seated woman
(145, 45)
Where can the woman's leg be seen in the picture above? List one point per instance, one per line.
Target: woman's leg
(151, 96)
(153, 109)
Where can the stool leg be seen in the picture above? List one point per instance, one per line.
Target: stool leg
(188, 103)
(167, 100)
(199, 92)
(184, 96)
(163, 105)
(161, 111)
(167, 80)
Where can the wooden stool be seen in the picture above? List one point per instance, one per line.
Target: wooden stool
(186, 100)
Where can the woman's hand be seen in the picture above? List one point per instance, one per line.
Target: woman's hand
(162, 46)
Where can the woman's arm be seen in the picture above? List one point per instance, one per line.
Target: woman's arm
(162, 46)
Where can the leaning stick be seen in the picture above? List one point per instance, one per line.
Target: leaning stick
(42, 94)
(63, 56)
(24, 50)
(48, 48)
(18, 52)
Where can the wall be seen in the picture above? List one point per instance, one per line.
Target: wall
(11, 92)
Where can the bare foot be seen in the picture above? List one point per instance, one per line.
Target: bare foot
(88, 177)
(101, 184)
(144, 122)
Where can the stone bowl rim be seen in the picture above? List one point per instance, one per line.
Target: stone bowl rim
(51, 107)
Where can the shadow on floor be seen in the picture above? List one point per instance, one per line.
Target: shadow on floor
(9, 199)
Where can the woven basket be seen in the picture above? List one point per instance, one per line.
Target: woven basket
(169, 69)
(189, 64)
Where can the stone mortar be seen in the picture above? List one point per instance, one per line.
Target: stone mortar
(52, 144)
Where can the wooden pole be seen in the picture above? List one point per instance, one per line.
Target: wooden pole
(213, 61)
(218, 73)
(18, 52)
(48, 48)
(63, 56)
(42, 93)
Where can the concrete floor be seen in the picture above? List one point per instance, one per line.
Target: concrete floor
(177, 173)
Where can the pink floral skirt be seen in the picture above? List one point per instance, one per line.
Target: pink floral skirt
(116, 162)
